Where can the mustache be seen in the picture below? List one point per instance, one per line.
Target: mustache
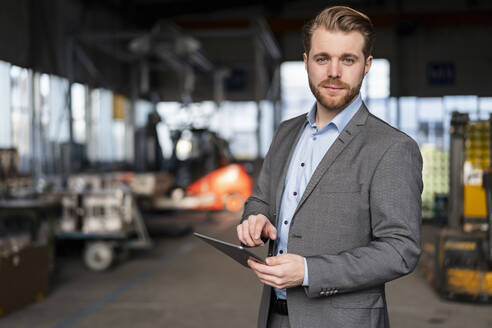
(334, 82)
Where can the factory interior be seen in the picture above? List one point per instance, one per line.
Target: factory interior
(128, 125)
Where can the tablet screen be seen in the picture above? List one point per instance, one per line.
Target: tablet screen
(238, 253)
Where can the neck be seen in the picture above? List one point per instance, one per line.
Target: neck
(324, 115)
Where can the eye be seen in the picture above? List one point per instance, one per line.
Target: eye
(349, 61)
(320, 59)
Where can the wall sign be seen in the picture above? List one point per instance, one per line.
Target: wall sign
(441, 73)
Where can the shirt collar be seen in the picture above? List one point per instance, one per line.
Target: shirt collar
(341, 120)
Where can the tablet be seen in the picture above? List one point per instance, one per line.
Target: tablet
(238, 253)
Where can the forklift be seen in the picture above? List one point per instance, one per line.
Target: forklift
(463, 249)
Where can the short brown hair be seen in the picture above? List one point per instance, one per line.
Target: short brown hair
(341, 18)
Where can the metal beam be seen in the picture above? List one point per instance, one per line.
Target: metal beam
(89, 65)
(266, 36)
(380, 20)
(110, 36)
(221, 34)
(186, 45)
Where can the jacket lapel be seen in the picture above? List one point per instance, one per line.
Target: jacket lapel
(346, 136)
(293, 141)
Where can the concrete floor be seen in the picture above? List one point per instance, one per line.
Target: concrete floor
(183, 282)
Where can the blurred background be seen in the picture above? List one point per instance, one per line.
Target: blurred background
(128, 124)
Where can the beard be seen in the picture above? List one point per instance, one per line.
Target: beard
(335, 103)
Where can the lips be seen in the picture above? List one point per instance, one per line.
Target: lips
(332, 87)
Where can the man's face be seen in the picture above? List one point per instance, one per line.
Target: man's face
(336, 67)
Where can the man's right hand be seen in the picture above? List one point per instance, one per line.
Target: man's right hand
(253, 228)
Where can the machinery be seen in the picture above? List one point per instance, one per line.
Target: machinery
(200, 176)
(225, 188)
(13, 184)
(461, 253)
(105, 217)
(104, 209)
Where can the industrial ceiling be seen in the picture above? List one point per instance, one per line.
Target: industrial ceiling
(194, 50)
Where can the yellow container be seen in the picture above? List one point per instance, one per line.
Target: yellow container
(464, 281)
(475, 203)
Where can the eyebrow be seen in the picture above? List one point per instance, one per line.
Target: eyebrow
(344, 55)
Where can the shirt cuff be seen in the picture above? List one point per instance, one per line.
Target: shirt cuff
(305, 283)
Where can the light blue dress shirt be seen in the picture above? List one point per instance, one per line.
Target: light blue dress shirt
(309, 151)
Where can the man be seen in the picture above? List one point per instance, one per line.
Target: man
(339, 194)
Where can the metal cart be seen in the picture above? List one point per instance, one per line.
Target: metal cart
(109, 222)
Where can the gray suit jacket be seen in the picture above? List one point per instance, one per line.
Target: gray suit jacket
(357, 223)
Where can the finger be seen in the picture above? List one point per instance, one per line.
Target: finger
(251, 224)
(270, 280)
(273, 232)
(252, 263)
(244, 232)
(261, 276)
(246, 236)
(258, 229)
(239, 229)
(276, 260)
(269, 270)
(270, 231)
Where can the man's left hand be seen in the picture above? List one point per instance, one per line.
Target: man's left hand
(281, 272)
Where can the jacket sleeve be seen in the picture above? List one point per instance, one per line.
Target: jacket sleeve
(395, 212)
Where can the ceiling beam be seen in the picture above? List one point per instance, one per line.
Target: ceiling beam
(384, 20)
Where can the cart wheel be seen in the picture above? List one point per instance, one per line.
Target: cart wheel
(99, 255)
(233, 202)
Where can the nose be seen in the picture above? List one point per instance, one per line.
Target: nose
(333, 69)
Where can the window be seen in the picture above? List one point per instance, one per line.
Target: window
(20, 81)
(485, 107)
(376, 84)
(142, 109)
(6, 127)
(79, 95)
(296, 95)
(235, 121)
(101, 142)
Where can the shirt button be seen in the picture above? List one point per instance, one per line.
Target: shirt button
(281, 252)
(295, 193)
(302, 164)
(286, 222)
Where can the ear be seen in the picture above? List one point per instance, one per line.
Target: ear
(368, 65)
(304, 56)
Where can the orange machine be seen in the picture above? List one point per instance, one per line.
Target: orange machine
(230, 186)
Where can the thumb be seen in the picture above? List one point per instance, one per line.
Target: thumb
(273, 260)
